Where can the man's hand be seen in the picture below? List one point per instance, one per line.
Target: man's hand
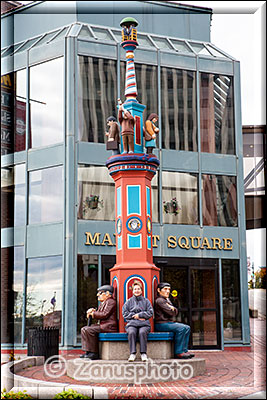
(136, 316)
(171, 307)
(90, 312)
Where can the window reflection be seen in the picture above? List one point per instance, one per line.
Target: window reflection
(87, 278)
(231, 300)
(219, 200)
(12, 267)
(204, 329)
(96, 193)
(180, 198)
(13, 112)
(97, 98)
(44, 296)
(13, 196)
(217, 114)
(46, 103)
(46, 195)
(179, 113)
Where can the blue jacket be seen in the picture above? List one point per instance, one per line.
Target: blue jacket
(137, 305)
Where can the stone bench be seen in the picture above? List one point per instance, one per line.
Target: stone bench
(114, 346)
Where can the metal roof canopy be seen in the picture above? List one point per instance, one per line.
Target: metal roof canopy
(101, 34)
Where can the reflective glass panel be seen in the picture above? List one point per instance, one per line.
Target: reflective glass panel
(177, 277)
(44, 293)
(161, 43)
(203, 288)
(180, 198)
(179, 112)
(13, 196)
(13, 112)
(97, 98)
(217, 114)
(203, 328)
(232, 326)
(18, 292)
(46, 103)
(181, 46)
(102, 34)
(96, 193)
(87, 284)
(12, 266)
(219, 200)
(147, 88)
(46, 195)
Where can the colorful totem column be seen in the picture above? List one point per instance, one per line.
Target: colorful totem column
(132, 174)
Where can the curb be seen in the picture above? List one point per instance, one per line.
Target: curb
(41, 389)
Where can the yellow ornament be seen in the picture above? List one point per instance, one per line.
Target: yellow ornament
(174, 293)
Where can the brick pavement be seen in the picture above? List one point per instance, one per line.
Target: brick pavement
(229, 375)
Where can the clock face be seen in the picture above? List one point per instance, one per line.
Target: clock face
(134, 224)
(119, 226)
(148, 225)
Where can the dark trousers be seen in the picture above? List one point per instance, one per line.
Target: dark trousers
(132, 336)
(90, 338)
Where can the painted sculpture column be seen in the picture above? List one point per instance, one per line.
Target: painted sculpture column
(132, 174)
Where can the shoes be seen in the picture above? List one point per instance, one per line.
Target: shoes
(191, 355)
(85, 355)
(93, 356)
(132, 357)
(130, 152)
(182, 356)
(144, 357)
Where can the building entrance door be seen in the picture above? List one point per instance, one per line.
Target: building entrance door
(198, 298)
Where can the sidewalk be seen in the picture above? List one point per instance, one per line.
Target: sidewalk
(229, 375)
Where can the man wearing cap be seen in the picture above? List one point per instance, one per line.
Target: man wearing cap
(107, 322)
(113, 135)
(165, 314)
(127, 122)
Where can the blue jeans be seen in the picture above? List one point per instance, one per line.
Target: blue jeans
(181, 335)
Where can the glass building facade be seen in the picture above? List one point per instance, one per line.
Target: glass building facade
(58, 202)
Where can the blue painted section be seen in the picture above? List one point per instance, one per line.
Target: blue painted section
(128, 226)
(133, 199)
(134, 242)
(148, 209)
(128, 279)
(136, 109)
(152, 336)
(149, 242)
(119, 201)
(119, 242)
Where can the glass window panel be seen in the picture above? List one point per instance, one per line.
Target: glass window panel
(44, 296)
(215, 53)
(179, 112)
(46, 103)
(203, 288)
(85, 33)
(46, 195)
(181, 46)
(231, 300)
(203, 328)
(87, 284)
(12, 49)
(13, 196)
(18, 292)
(117, 35)
(180, 198)
(97, 97)
(147, 87)
(102, 33)
(217, 114)
(219, 200)
(143, 41)
(155, 199)
(28, 44)
(13, 112)
(200, 48)
(61, 34)
(12, 267)
(162, 43)
(96, 194)
(46, 38)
